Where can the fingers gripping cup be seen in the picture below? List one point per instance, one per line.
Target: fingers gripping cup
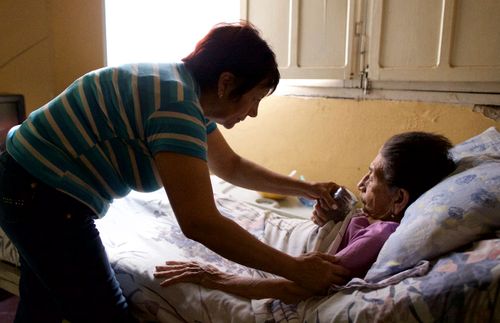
(345, 202)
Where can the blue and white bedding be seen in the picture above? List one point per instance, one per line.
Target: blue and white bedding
(145, 233)
(459, 286)
(442, 263)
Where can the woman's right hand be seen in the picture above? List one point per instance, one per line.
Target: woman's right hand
(317, 271)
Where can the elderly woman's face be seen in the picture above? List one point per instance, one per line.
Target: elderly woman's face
(376, 195)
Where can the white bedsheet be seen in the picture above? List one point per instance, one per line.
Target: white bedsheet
(141, 231)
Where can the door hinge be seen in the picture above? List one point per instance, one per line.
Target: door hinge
(360, 32)
(364, 81)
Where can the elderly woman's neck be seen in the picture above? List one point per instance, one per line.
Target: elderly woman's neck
(386, 217)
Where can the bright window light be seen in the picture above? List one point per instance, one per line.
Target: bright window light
(161, 30)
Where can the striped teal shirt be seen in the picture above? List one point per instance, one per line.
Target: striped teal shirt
(96, 140)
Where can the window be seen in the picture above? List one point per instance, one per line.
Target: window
(430, 47)
(161, 30)
(334, 47)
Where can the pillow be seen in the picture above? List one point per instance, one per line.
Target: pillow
(486, 143)
(457, 211)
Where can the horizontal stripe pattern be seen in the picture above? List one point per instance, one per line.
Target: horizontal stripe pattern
(97, 139)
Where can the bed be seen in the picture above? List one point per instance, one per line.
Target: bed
(441, 264)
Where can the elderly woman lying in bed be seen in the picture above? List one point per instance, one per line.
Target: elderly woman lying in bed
(406, 166)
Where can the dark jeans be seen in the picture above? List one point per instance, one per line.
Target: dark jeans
(65, 272)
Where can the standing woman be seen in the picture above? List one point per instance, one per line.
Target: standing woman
(141, 127)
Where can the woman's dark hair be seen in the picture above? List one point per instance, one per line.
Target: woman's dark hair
(236, 48)
(416, 161)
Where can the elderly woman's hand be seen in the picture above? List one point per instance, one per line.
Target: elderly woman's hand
(174, 272)
(327, 208)
(322, 214)
(319, 215)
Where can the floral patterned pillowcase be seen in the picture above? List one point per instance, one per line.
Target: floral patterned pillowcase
(486, 143)
(459, 210)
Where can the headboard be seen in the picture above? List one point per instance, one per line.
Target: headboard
(11, 113)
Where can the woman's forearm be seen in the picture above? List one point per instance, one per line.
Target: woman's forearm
(245, 173)
(244, 247)
(240, 246)
(228, 165)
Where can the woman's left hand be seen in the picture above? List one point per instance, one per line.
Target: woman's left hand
(323, 192)
(175, 272)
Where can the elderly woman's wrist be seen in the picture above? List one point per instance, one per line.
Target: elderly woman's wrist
(214, 280)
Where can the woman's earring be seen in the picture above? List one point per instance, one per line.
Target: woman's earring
(221, 94)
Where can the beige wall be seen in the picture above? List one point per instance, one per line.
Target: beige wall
(77, 30)
(334, 139)
(26, 50)
(46, 44)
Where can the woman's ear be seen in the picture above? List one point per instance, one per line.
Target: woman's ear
(225, 84)
(400, 201)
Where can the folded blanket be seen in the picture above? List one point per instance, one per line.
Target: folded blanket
(299, 236)
(420, 269)
(295, 237)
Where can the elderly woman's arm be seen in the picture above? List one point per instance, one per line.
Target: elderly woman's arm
(210, 277)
